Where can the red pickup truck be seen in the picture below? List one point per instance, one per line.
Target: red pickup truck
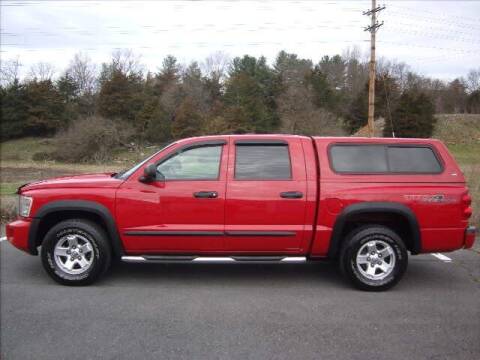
(364, 202)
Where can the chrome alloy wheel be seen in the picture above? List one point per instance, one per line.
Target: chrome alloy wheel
(73, 254)
(375, 260)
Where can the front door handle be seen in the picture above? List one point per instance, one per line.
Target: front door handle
(206, 194)
(291, 195)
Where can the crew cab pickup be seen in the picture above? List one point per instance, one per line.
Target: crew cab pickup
(363, 202)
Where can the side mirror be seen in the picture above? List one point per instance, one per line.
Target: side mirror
(149, 173)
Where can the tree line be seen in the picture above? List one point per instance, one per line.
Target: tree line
(242, 95)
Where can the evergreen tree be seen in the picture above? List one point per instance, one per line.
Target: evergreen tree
(168, 75)
(386, 100)
(291, 70)
(413, 117)
(357, 113)
(251, 91)
(69, 91)
(153, 122)
(13, 100)
(120, 97)
(188, 121)
(323, 94)
(45, 109)
(334, 68)
(67, 87)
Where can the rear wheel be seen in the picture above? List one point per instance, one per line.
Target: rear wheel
(374, 258)
(76, 252)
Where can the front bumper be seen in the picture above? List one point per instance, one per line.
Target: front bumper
(18, 232)
(470, 233)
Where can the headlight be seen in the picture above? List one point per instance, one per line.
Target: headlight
(24, 205)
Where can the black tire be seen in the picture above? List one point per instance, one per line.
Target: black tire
(99, 253)
(362, 239)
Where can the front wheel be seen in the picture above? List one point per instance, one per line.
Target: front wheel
(75, 252)
(374, 258)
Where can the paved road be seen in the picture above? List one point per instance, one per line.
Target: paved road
(232, 311)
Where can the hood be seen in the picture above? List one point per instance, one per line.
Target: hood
(102, 180)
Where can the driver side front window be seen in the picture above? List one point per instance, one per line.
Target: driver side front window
(202, 163)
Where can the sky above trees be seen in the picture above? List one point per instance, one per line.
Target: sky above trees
(437, 38)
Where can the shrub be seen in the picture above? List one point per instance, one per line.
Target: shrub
(42, 156)
(8, 209)
(91, 139)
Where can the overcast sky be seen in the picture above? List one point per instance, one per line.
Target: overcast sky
(437, 38)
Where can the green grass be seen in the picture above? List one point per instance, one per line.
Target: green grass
(8, 188)
(22, 150)
(468, 158)
(466, 154)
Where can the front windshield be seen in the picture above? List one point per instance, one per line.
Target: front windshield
(126, 174)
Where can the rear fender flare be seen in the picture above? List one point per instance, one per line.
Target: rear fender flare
(374, 207)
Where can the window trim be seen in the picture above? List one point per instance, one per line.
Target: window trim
(198, 144)
(386, 146)
(259, 142)
(262, 142)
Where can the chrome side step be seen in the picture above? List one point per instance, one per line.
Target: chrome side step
(213, 259)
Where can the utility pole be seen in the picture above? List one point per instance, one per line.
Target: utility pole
(374, 25)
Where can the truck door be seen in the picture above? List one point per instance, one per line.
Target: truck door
(181, 212)
(266, 195)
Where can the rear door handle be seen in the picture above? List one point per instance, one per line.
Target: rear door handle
(291, 195)
(206, 194)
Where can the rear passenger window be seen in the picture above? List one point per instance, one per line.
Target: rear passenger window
(371, 159)
(413, 160)
(262, 162)
(359, 158)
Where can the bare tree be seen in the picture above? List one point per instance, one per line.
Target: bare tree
(216, 65)
(356, 70)
(397, 70)
(83, 72)
(299, 115)
(42, 71)
(9, 71)
(473, 80)
(127, 62)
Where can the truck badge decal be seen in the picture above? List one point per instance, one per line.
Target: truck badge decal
(437, 198)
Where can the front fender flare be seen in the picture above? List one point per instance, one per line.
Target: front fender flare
(76, 205)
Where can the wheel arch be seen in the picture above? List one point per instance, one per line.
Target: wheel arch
(56, 211)
(396, 215)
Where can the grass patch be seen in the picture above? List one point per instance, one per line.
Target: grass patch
(22, 150)
(466, 154)
(8, 188)
(458, 128)
(468, 158)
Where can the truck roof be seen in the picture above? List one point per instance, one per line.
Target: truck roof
(381, 140)
(351, 139)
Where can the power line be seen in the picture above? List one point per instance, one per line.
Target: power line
(446, 16)
(437, 21)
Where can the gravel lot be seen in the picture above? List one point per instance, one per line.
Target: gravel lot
(234, 311)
